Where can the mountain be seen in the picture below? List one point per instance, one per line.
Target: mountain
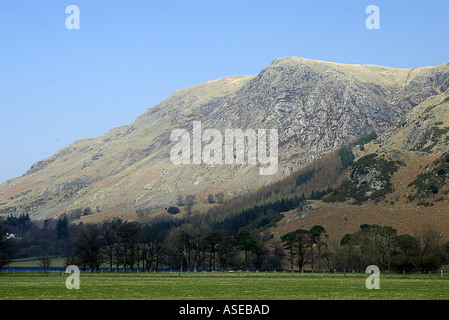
(315, 106)
(400, 179)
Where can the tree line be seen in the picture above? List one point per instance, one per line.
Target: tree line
(190, 244)
(370, 245)
(116, 244)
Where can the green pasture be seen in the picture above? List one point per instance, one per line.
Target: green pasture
(220, 286)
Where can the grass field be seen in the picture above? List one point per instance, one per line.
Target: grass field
(221, 286)
(57, 262)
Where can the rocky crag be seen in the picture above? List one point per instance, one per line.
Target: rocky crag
(400, 179)
(316, 107)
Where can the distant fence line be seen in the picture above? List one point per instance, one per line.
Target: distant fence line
(61, 270)
(164, 270)
(135, 270)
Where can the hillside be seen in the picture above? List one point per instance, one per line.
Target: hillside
(316, 107)
(399, 179)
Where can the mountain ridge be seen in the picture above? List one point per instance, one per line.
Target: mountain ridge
(316, 107)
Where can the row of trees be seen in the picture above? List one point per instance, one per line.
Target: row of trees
(166, 244)
(170, 243)
(194, 245)
(370, 245)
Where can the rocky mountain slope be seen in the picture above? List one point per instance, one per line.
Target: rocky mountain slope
(316, 107)
(400, 179)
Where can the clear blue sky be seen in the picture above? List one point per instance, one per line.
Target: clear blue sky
(59, 85)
